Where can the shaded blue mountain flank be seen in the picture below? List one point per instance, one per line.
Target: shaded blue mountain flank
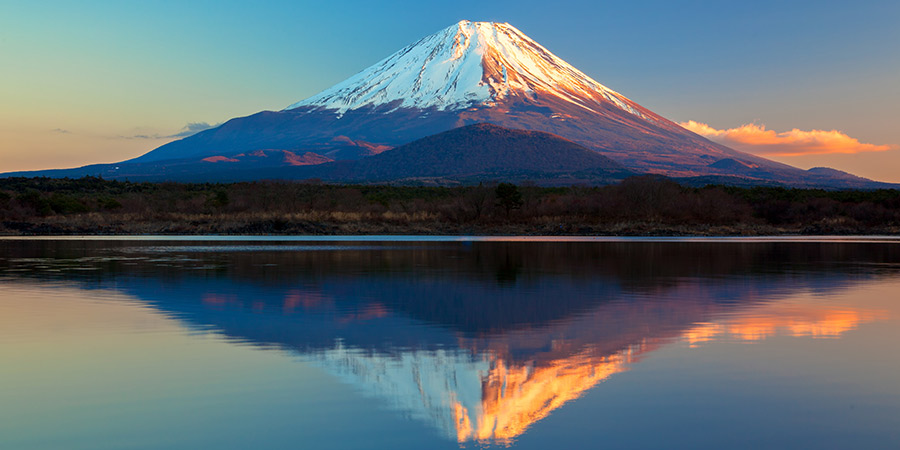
(526, 296)
(425, 148)
(467, 154)
(741, 172)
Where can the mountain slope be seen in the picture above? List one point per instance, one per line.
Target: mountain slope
(478, 151)
(465, 154)
(470, 73)
(469, 63)
(473, 72)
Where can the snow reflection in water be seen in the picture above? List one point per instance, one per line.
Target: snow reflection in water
(481, 340)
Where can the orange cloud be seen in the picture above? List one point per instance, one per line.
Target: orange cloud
(756, 139)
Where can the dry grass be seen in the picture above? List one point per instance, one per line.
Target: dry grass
(641, 206)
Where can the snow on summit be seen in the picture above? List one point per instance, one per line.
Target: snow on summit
(464, 65)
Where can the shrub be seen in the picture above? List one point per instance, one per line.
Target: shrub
(508, 197)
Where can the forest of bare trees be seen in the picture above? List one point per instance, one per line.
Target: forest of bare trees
(645, 205)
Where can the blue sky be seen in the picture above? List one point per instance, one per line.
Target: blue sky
(87, 82)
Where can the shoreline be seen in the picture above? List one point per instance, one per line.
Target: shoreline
(861, 239)
(226, 227)
(282, 225)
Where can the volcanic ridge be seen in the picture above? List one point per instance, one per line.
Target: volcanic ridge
(561, 126)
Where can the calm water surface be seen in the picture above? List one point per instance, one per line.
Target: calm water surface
(407, 343)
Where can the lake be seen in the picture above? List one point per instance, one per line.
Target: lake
(412, 343)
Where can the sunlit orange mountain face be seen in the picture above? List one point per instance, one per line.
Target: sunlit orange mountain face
(370, 127)
(479, 341)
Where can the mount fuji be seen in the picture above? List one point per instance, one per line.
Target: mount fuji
(466, 74)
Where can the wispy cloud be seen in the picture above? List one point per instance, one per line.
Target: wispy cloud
(60, 131)
(756, 139)
(141, 136)
(190, 129)
(193, 128)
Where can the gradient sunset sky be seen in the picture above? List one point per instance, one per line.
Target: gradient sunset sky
(809, 83)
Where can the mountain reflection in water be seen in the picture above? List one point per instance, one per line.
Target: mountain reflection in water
(481, 340)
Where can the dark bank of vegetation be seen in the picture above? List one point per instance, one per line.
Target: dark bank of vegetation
(643, 205)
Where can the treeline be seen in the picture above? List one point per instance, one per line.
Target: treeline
(638, 205)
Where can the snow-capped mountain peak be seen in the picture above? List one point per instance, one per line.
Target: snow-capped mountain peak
(464, 65)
